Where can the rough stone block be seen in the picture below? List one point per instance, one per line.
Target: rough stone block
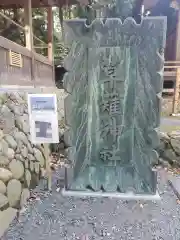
(28, 177)
(11, 141)
(10, 153)
(17, 169)
(113, 107)
(2, 187)
(39, 157)
(6, 126)
(14, 189)
(5, 175)
(6, 217)
(3, 201)
(4, 161)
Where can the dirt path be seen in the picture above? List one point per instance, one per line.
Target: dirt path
(57, 218)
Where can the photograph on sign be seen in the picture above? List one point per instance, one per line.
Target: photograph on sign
(42, 102)
(44, 131)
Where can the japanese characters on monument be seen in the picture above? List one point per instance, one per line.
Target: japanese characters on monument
(110, 112)
(43, 118)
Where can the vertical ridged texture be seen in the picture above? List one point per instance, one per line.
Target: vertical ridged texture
(112, 112)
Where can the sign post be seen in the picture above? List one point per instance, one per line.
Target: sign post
(48, 168)
(43, 119)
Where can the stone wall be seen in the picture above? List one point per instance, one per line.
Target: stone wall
(169, 148)
(21, 163)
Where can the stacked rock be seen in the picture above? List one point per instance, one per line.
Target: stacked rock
(20, 161)
(169, 148)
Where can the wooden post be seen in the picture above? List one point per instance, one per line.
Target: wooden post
(50, 38)
(178, 38)
(48, 167)
(50, 33)
(29, 35)
(28, 24)
(176, 92)
(177, 80)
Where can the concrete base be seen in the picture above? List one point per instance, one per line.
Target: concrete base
(125, 196)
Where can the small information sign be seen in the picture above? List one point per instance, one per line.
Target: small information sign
(43, 118)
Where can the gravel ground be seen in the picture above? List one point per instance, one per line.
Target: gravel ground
(53, 217)
(170, 121)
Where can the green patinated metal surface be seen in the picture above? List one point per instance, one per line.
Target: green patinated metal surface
(114, 81)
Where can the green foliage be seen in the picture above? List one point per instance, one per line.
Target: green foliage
(8, 29)
(16, 34)
(64, 13)
(60, 53)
